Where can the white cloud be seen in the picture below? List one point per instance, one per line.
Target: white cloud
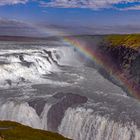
(136, 7)
(92, 4)
(12, 2)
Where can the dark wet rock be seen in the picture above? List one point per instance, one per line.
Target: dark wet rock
(126, 60)
(22, 79)
(3, 63)
(21, 58)
(50, 56)
(47, 59)
(37, 104)
(56, 112)
(9, 82)
(24, 62)
(59, 95)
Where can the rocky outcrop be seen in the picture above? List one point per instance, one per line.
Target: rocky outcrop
(58, 109)
(1, 138)
(125, 58)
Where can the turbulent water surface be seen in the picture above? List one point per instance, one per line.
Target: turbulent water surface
(50, 88)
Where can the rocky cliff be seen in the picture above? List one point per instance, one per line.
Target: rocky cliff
(121, 55)
(124, 51)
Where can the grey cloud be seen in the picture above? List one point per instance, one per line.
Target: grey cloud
(19, 28)
(92, 30)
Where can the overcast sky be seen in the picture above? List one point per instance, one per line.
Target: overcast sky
(48, 17)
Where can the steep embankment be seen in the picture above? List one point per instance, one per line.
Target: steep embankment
(15, 131)
(117, 58)
(123, 50)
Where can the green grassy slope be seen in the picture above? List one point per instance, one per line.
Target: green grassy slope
(131, 41)
(16, 131)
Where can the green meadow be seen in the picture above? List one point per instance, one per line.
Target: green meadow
(15, 131)
(131, 41)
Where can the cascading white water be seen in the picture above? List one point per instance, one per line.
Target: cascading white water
(44, 116)
(66, 56)
(82, 124)
(78, 123)
(20, 112)
(24, 114)
(30, 65)
(24, 66)
(66, 114)
(39, 113)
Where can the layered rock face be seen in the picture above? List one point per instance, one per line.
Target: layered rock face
(116, 57)
(124, 52)
(127, 60)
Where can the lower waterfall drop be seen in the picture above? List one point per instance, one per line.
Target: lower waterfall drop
(82, 124)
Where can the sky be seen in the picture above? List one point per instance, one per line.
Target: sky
(49, 17)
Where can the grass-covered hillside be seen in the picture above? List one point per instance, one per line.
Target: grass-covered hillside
(15, 131)
(131, 41)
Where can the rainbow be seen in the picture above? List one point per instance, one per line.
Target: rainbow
(100, 59)
(105, 62)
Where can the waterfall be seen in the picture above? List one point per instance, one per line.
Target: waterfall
(44, 115)
(82, 124)
(20, 112)
(30, 65)
(24, 114)
(71, 116)
(108, 115)
(39, 113)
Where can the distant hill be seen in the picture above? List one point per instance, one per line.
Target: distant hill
(129, 40)
(27, 39)
(15, 131)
